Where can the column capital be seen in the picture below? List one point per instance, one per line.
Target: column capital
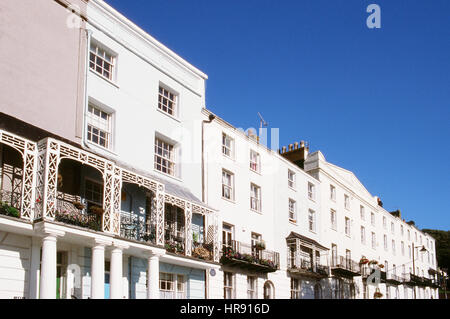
(120, 245)
(46, 229)
(155, 253)
(101, 242)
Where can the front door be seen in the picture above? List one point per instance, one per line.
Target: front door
(61, 267)
(107, 280)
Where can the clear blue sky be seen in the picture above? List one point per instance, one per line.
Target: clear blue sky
(374, 101)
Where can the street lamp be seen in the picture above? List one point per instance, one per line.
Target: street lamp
(414, 267)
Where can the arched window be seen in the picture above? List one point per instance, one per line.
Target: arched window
(269, 291)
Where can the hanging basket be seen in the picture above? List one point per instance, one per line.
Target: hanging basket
(364, 261)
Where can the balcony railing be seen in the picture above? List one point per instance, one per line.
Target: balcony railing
(345, 266)
(73, 212)
(10, 203)
(297, 264)
(137, 227)
(394, 279)
(245, 256)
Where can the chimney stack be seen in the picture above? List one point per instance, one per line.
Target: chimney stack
(296, 154)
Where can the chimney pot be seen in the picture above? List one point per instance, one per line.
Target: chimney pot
(290, 147)
(284, 149)
(302, 143)
(296, 145)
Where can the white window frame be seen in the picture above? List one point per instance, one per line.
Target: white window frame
(94, 49)
(312, 220)
(170, 159)
(168, 99)
(228, 288)
(333, 219)
(311, 191)
(96, 121)
(295, 288)
(255, 197)
(333, 193)
(291, 182)
(393, 247)
(363, 235)
(362, 212)
(292, 210)
(372, 218)
(173, 281)
(346, 202)
(229, 187)
(385, 242)
(252, 287)
(348, 230)
(255, 161)
(227, 139)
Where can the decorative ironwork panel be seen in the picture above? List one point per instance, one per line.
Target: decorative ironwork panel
(29, 174)
(116, 201)
(28, 151)
(188, 229)
(51, 180)
(108, 201)
(160, 215)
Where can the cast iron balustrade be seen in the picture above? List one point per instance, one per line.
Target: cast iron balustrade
(137, 227)
(10, 203)
(393, 279)
(175, 244)
(299, 265)
(73, 213)
(245, 256)
(345, 267)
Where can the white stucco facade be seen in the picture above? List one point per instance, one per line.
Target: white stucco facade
(160, 198)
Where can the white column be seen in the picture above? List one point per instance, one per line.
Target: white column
(98, 271)
(48, 268)
(116, 273)
(34, 267)
(153, 280)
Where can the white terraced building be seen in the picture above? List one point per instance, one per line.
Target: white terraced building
(117, 182)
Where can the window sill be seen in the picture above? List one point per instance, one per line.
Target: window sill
(293, 222)
(105, 79)
(100, 148)
(292, 188)
(312, 199)
(229, 200)
(256, 211)
(168, 175)
(168, 115)
(229, 157)
(256, 172)
(312, 231)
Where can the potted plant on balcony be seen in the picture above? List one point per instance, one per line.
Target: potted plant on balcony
(171, 246)
(373, 262)
(260, 245)
(377, 294)
(78, 205)
(201, 253)
(364, 261)
(97, 210)
(381, 266)
(6, 209)
(195, 239)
